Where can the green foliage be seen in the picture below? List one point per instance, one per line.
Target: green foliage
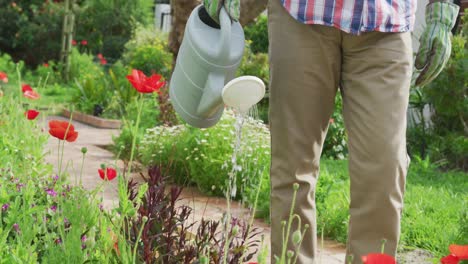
(257, 33)
(147, 51)
(434, 215)
(203, 157)
(444, 138)
(335, 146)
(31, 30)
(149, 118)
(255, 64)
(107, 24)
(43, 218)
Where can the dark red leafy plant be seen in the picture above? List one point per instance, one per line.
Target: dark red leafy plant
(166, 236)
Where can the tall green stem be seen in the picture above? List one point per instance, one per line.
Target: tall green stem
(135, 134)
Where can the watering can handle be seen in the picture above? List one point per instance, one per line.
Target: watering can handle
(225, 44)
(211, 100)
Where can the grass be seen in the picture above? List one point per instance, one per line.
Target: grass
(434, 215)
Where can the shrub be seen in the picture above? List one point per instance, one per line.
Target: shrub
(335, 146)
(444, 139)
(148, 52)
(257, 33)
(43, 218)
(107, 24)
(149, 118)
(204, 156)
(31, 30)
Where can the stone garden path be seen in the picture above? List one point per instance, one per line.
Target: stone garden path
(96, 139)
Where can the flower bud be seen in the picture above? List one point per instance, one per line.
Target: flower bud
(84, 150)
(296, 237)
(296, 186)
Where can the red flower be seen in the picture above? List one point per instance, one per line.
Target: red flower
(460, 251)
(108, 175)
(103, 61)
(25, 88)
(45, 64)
(58, 129)
(100, 56)
(33, 95)
(3, 77)
(450, 259)
(29, 93)
(74, 42)
(144, 84)
(375, 258)
(31, 114)
(84, 42)
(332, 121)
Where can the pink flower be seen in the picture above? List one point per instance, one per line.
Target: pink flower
(73, 42)
(100, 56)
(103, 61)
(84, 42)
(45, 64)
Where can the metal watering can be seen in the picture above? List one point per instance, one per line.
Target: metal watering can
(208, 59)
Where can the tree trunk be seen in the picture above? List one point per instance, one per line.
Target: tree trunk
(67, 36)
(181, 9)
(251, 9)
(180, 12)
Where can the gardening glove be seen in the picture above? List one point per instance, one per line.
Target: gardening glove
(214, 7)
(435, 44)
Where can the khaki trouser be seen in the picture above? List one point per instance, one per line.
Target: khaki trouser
(308, 63)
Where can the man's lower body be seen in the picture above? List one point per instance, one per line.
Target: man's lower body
(373, 70)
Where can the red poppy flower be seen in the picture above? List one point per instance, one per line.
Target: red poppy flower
(84, 42)
(460, 251)
(25, 88)
(45, 64)
(375, 258)
(3, 77)
(103, 61)
(31, 114)
(33, 95)
(450, 259)
(58, 129)
(108, 175)
(144, 84)
(100, 56)
(74, 42)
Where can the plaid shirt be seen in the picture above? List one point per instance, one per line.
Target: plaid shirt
(355, 16)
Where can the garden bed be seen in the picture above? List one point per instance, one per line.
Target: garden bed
(93, 120)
